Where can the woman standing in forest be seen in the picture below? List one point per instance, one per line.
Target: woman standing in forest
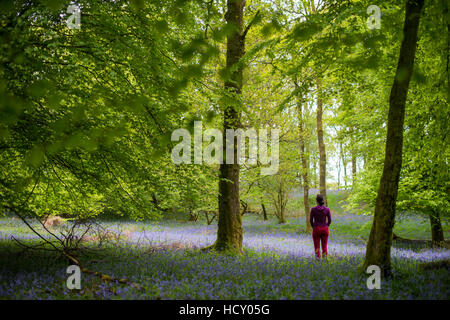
(320, 219)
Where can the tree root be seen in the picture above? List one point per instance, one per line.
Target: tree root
(208, 248)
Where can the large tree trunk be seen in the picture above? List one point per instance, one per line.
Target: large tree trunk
(446, 18)
(230, 232)
(322, 153)
(437, 234)
(378, 250)
(302, 135)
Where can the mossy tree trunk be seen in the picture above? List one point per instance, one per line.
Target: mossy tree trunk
(437, 234)
(378, 250)
(230, 232)
(322, 152)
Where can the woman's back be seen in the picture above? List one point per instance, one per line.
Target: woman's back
(319, 216)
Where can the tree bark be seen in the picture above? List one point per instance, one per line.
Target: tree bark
(437, 234)
(322, 153)
(344, 164)
(353, 156)
(339, 174)
(446, 18)
(244, 207)
(302, 135)
(353, 167)
(315, 176)
(264, 211)
(279, 202)
(378, 250)
(230, 232)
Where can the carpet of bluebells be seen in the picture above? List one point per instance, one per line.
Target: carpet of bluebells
(278, 263)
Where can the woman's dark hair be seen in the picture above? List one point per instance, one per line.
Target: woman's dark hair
(319, 199)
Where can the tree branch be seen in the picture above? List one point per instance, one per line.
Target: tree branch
(249, 25)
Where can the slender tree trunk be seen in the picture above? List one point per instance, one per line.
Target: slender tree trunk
(302, 135)
(437, 234)
(314, 171)
(306, 205)
(378, 250)
(282, 217)
(353, 157)
(353, 167)
(281, 204)
(338, 174)
(264, 211)
(322, 153)
(230, 232)
(344, 164)
(365, 160)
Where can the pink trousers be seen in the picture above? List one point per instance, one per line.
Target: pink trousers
(320, 235)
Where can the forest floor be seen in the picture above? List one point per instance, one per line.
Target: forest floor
(278, 263)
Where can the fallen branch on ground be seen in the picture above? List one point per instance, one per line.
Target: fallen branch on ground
(66, 250)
